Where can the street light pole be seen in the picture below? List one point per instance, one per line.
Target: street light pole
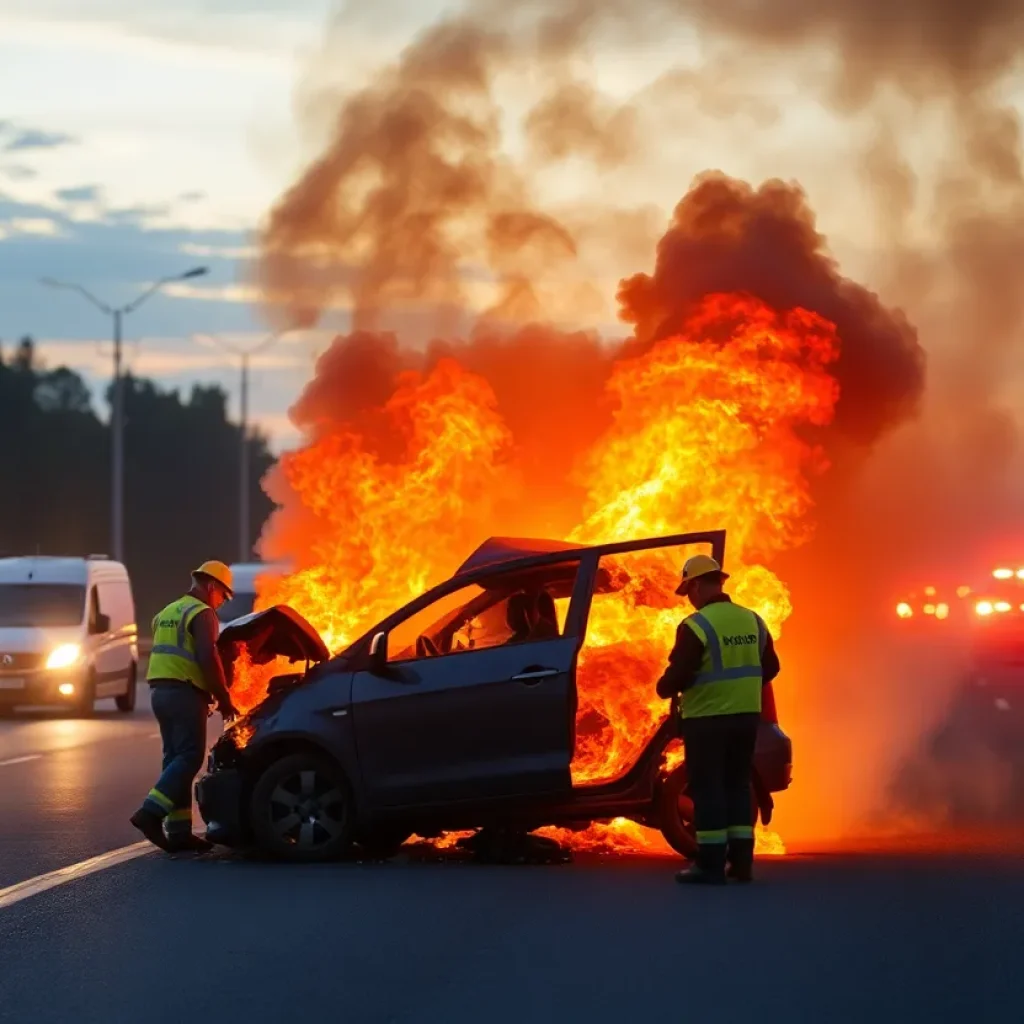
(117, 398)
(117, 448)
(244, 354)
(243, 462)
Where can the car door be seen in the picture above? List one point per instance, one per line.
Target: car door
(488, 717)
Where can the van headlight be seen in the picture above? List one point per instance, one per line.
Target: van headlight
(64, 656)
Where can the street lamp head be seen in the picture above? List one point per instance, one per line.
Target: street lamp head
(195, 272)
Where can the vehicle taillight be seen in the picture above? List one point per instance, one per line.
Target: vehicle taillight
(768, 712)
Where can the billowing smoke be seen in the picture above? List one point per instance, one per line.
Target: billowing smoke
(419, 223)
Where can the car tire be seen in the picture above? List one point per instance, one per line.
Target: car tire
(675, 813)
(301, 809)
(382, 843)
(126, 702)
(85, 704)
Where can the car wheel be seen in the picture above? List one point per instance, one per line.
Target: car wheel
(85, 705)
(382, 843)
(675, 810)
(126, 702)
(675, 814)
(301, 809)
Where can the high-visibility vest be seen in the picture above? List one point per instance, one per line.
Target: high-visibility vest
(174, 650)
(730, 676)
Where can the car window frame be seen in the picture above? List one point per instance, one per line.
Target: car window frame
(356, 656)
(465, 583)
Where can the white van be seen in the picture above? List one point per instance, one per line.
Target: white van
(68, 634)
(244, 576)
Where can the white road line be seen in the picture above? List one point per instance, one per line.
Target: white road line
(20, 760)
(41, 883)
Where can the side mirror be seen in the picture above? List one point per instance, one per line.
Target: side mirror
(379, 654)
(102, 624)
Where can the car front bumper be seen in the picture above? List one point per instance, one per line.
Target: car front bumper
(219, 796)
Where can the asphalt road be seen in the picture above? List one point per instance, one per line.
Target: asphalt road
(834, 938)
(69, 785)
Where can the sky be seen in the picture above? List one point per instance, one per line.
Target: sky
(139, 140)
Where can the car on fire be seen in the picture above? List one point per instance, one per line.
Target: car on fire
(456, 712)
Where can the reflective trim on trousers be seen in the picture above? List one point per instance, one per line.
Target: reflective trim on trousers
(158, 798)
(740, 831)
(713, 837)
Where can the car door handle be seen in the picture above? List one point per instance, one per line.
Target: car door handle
(531, 675)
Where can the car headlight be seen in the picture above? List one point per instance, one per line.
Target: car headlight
(64, 656)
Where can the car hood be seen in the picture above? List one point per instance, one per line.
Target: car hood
(278, 631)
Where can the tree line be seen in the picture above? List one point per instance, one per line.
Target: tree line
(181, 470)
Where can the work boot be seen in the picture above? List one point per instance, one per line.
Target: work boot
(707, 869)
(741, 860)
(151, 826)
(188, 842)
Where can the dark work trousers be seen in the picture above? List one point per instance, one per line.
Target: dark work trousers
(719, 762)
(181, 711)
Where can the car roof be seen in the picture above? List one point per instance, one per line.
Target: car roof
(500, 550)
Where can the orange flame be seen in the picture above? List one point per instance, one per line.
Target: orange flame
(706, 433)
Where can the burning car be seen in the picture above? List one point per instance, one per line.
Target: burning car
(460, 711)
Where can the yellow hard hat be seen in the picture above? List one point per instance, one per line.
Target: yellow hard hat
(217, 571)
(698, 565)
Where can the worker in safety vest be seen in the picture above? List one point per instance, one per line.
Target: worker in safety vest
(186, 676)
(722, 657)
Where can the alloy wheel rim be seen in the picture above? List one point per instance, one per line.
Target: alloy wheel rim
(307, 810)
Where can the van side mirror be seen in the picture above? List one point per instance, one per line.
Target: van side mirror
(101, 623)
(379, 654)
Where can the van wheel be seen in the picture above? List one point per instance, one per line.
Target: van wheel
(301, 809)
(85, 706)
(126, 702)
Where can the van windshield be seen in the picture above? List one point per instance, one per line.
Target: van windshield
(41, 604)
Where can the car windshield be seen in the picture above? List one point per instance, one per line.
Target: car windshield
(241, 604)
(41, 604)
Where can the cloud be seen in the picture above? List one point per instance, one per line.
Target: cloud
(80, 194)
(45, 226)
(18, 172)
(36, 138)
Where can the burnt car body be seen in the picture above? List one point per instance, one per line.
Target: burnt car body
(458, 724)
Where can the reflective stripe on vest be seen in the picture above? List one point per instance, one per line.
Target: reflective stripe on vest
(173, 654)
(730, 676)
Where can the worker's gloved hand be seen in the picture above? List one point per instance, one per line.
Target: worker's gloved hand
(227, 710)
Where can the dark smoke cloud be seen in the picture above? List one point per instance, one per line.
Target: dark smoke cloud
(726, 236)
